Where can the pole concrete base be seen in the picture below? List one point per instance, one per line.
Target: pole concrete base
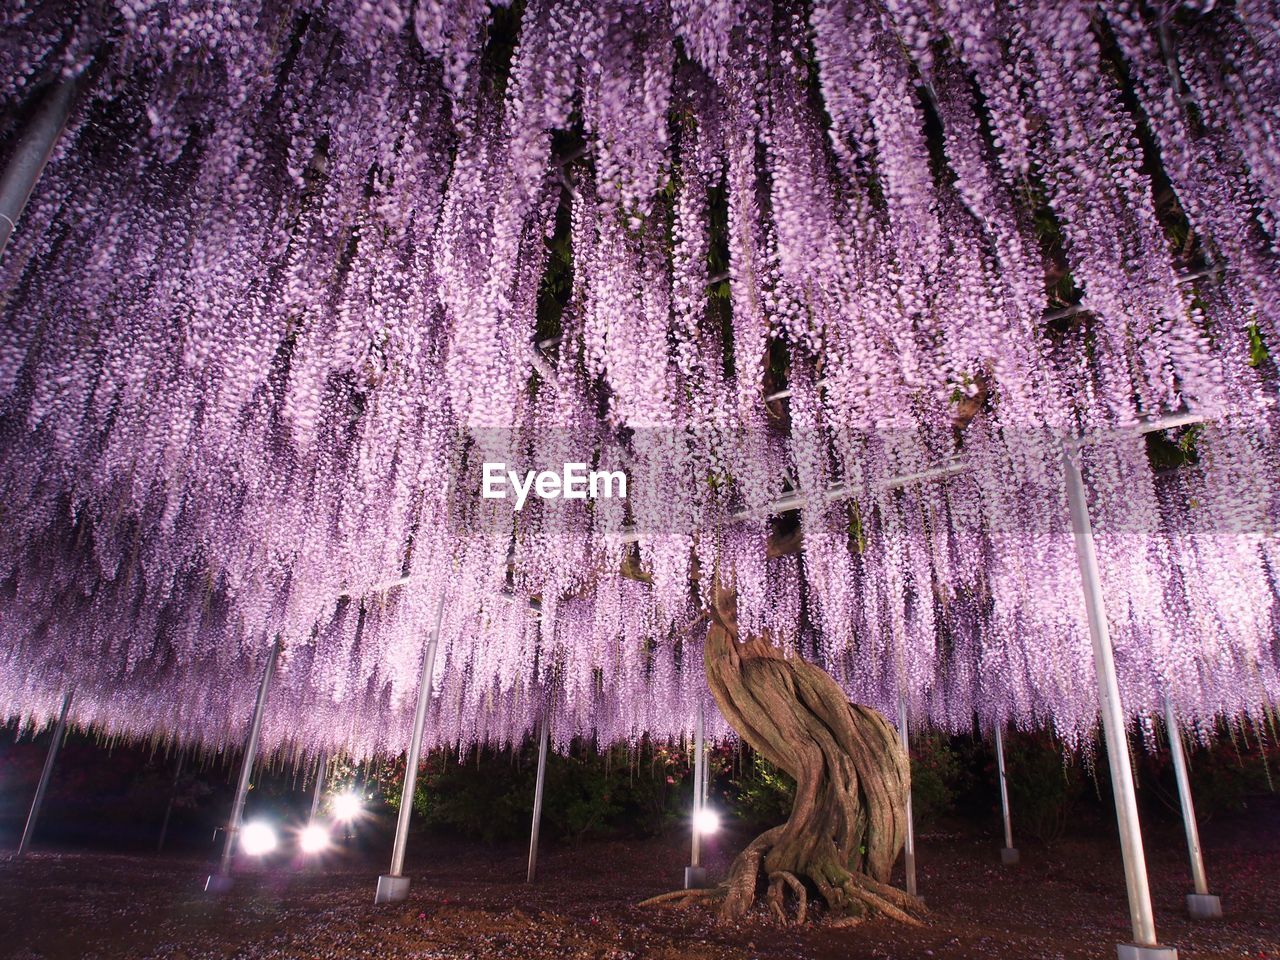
(695, 878)
(391, 889)
(1136, 951)
(1009, 856)
(218, 883)
(1203, 906)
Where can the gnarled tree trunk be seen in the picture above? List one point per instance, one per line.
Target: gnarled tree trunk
(848, 821)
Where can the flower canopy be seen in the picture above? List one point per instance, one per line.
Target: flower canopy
(297, 270)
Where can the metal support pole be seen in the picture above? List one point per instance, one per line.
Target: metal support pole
(1141, 916)
(699, 758)
(221, 881)
(168, 810)
(706, 772)
(537, 798)
(695, 875)
(1201, 905)
(394, 886)
(1008, 853)
(322, 767)
(909, 848)
(32, 153)
(46, 773)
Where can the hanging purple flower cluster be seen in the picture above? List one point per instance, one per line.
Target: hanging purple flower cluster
(299, 268)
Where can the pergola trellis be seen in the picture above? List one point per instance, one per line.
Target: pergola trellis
(1200, 903)
(19, 180)
(16, 185)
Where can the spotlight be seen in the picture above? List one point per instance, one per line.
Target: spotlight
(257, 838)
(314, 838)
(706, 821)
(347, 806)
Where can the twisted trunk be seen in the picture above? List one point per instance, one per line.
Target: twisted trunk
(848, 821)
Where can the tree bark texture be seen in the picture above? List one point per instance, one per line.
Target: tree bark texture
(848, 820)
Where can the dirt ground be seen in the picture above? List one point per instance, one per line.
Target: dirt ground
(470, 902)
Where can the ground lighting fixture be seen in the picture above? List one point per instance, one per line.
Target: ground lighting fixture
(257, 838)
(347, 806)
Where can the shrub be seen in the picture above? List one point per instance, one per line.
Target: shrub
(1045, 783)
(587, 794)
(1225, 774)
(762, 793)
(936, 777)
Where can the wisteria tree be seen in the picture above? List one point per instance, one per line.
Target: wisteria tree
(299, 268)
(848, 822)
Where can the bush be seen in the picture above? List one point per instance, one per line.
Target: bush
(628, 792)
(1045, 783)
(762, 794)
(483, 801)
(936, 777)
(1225, 774)
(489, 797)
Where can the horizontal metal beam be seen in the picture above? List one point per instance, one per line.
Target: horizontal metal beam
(1078, 308)
(535, 606)
(954, 465)
(798, 500)
(35, 145)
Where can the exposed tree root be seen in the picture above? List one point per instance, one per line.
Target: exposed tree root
(744, 874)
(682, 898)
(776, 880)
(842, 922)
(851, 903)
(899, 898)
(858, 892)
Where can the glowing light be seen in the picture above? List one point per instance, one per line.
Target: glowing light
(257, 839)
(706, 821)
(314, 838)
(347, 806)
